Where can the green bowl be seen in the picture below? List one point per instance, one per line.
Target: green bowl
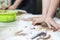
(7, 15)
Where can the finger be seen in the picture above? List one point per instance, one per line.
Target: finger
(34, 21)
(53, 23)
(49, 25)
(37, 20)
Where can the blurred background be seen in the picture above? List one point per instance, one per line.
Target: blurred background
(38, 7)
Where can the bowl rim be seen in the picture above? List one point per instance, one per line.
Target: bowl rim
(15, 11)
(9, 12)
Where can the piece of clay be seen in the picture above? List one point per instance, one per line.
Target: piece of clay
(44, 37)
(20, 33)
(28, 19)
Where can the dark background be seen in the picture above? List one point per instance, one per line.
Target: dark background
(31, 6)
(38, 7)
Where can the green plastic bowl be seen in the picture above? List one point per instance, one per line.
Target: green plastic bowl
(7, 15)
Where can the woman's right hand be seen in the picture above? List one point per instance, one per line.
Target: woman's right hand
(38, 20)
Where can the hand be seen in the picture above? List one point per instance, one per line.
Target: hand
(51, 24)
(11, 8)
(4, 7)
(38, 20)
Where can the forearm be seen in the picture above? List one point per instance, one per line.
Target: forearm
(45, 7)
(52, 8)
(9, 2)
(17, 2)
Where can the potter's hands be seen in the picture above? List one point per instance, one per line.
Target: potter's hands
(5, 7)
(8, 7)
(38, 20)
(12, 7)
(49, 21)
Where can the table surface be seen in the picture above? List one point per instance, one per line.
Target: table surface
(8, 30)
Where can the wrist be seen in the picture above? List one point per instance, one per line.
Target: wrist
(50, 17)
(44, 17)
(14, 6)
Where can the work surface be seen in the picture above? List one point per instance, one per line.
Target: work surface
(11, 31)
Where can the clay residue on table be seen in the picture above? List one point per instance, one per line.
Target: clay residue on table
(20, 13)
(20, 33)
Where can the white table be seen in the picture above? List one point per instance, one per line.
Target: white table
(7, 30)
